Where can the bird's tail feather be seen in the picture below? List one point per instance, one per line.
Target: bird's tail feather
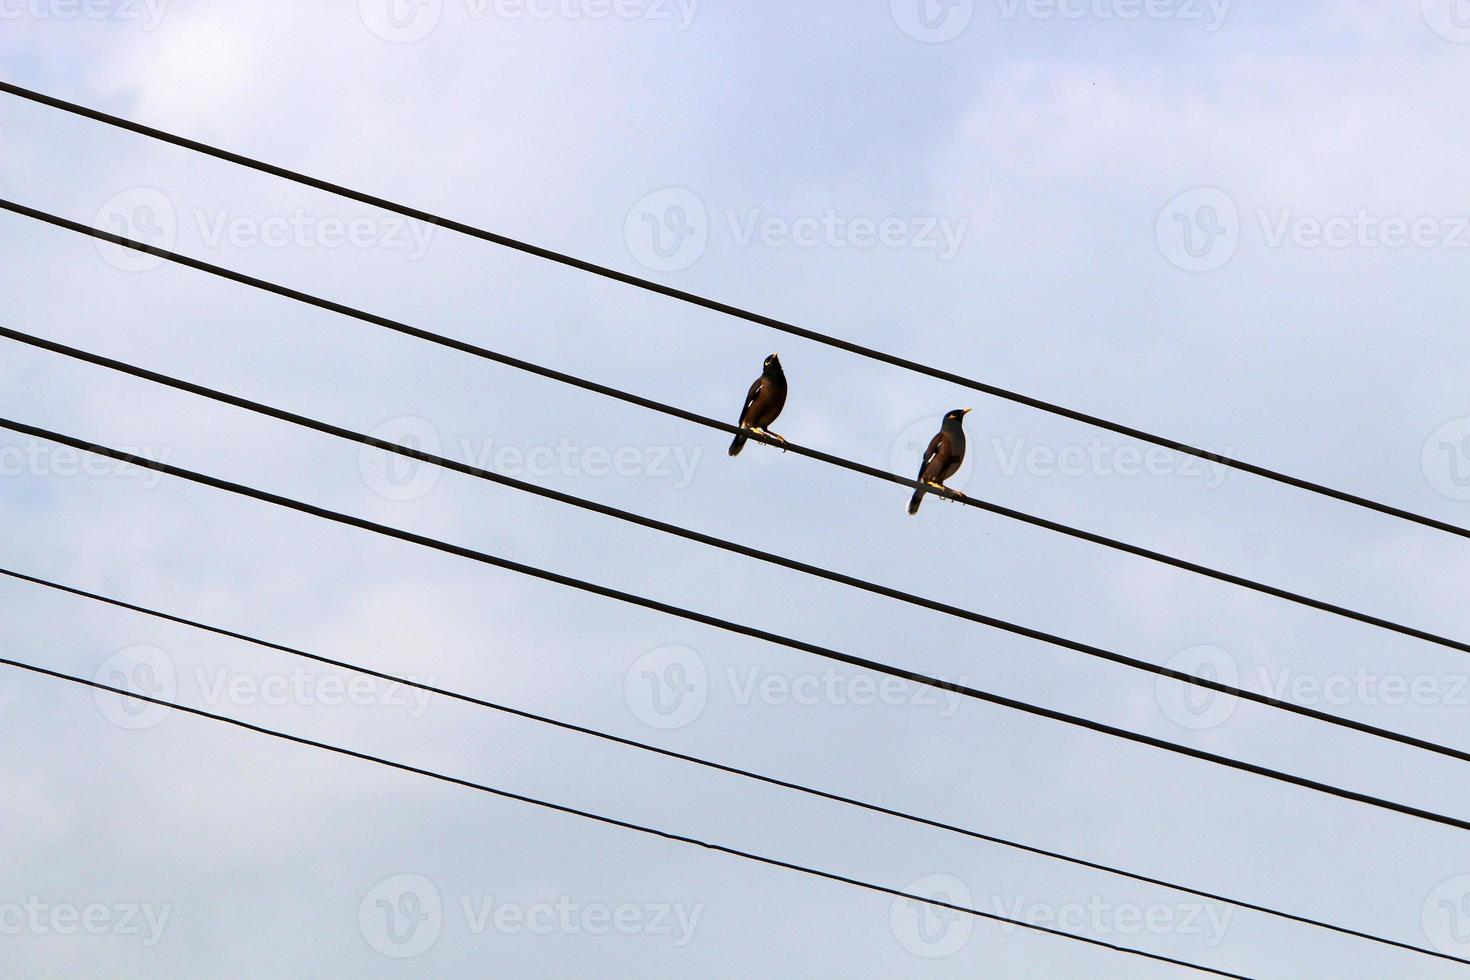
(915, 500)
(737, 445)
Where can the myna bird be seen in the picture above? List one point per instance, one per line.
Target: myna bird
(943, 457)
(763, 403)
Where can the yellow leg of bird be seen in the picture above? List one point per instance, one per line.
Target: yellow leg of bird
(770, 435)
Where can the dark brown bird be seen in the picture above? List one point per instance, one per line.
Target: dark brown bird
(943, 457)
(763, 403)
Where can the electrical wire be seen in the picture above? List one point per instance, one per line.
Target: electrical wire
(817, 571)
(716, 766)
(609, 821)
(729, 625)
(694, 299)
(487, 354)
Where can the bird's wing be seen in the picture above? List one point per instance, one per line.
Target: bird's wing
(755, 389)
(935, 445)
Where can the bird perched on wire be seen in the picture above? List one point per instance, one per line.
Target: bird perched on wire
(943, 457)
(763, 403)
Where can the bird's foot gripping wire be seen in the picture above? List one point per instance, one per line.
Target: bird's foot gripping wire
(944, 490)
(771, 435)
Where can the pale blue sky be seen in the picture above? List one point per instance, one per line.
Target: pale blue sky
(1031, 172)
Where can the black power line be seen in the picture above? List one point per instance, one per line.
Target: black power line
(717, 766)
(487, 354)
(730, 546)
(725, 308)
(730, 626)
(610, 821)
